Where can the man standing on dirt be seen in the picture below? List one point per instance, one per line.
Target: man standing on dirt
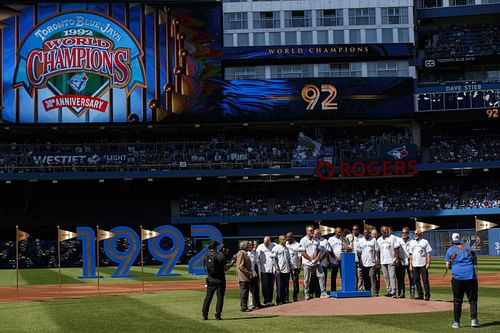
(311, 256)
(267, 269)
(296, 261)
(282, 258)
(244, 274)
(368, 255)
(420, 261)
(462, 260)
(215, 265)
(389, 257)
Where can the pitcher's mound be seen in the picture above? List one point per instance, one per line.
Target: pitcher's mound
(355, 306)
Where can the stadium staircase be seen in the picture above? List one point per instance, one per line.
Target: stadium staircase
(175, 208)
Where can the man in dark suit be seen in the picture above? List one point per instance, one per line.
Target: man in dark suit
(215, 265)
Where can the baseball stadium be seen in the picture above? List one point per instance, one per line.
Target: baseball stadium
(314, 164)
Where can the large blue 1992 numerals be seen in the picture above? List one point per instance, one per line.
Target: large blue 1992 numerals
(196, 263)
(168, 257)
(125, 258)
(87, 236)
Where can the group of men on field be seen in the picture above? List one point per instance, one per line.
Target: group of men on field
(397, 257)
(271, 264)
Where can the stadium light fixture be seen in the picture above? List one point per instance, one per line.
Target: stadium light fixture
(6, 128)
(245, 124)
(198, 178)
(439, 172)
(150, 179)
(197, 125)
(101, 180)
(54, 128)
(102, 127)
(486, 170)
(8, 182)
(54, 181)
(245, 177)
(297, 177)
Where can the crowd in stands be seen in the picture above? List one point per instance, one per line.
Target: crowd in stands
(483, 197)
(352, 200)
(464, 40)
(227, 154)
(162, 153)
(465, 149)
(318, 203)
(421, 198)
(356, 147)
(227, 206)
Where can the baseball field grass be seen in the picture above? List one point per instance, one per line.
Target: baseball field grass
(180, 311)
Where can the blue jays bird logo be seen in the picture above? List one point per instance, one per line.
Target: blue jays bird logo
(78, 81)
(398, 153)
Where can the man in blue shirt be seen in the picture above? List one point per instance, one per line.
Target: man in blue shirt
(462, 261)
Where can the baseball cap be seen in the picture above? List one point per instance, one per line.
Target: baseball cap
(455, 237)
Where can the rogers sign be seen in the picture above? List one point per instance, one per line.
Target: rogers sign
(326, 170)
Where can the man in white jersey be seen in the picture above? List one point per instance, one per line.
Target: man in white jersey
(254, 298)
(283, 264)
(267, 269)
(389, 255)
(353, 239)
(296, 262)
(374, 235)
(311, 255)
(420, 261)
(368, 254)
(335, 249)
(403, 267)
(325, 249)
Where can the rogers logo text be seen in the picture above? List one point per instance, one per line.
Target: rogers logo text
(70, 54)
(326, 170)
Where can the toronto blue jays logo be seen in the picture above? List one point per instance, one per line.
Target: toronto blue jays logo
(78, 82)
(398, 153)
(75, 57)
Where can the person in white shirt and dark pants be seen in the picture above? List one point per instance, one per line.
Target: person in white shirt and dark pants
(368, 254)
(404, 267)
(420, 261)
(296, 262)
(267, 269)
(282, 262)
(254, 280)
(336, 248)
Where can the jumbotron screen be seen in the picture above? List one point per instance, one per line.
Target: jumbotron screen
(105, 62)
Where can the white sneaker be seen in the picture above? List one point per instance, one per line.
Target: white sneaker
(474, 323)
(325, 296)
(455, 324)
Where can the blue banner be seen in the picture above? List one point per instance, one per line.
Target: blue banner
(308, 52)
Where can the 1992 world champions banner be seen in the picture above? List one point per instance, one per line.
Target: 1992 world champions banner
(101, 63)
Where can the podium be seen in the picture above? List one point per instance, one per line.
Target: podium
(348, 276)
